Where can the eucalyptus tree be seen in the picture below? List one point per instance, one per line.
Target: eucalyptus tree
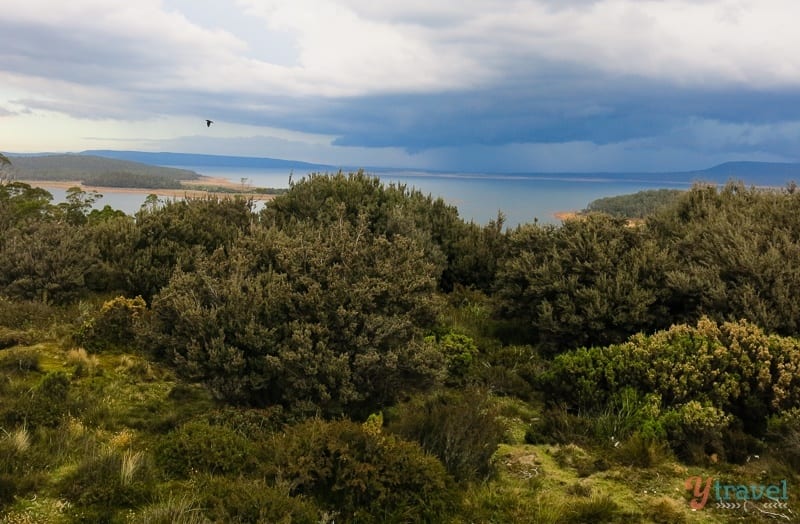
(6, 170)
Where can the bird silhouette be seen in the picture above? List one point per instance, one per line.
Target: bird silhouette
(209, 122)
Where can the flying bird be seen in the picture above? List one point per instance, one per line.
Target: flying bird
(209, 122)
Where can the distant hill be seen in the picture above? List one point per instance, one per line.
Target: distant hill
(751, 173)
(755, 169)
(190, 159)
(96, 170)
(61, 165)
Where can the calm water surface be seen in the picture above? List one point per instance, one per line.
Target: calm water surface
(522, 198)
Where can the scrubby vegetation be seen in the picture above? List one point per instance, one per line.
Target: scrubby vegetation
(356, 352)
(636, 205)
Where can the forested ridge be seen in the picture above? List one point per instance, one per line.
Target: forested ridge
(99, 171)
(356, 352)
(636, 205)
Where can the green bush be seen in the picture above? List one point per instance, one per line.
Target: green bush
(19, 360)
(459, 352)
(198, 446)
(315, 319)
(12, 337)
(732, 253)
(45, 404)
(510, 370)
(114, 325)
(25, 314)
(556, 425)
(733, 367)
(641, 451)
(363, 474)
(784, 433)
(224, 499)
(46, 260)
(461, 428)
(109, 480)
(14, 465)
(696, 430)
(590, 281)
(253, 424)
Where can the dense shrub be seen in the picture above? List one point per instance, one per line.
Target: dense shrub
(696, 430)
(591, 281)
(10, 338)
(469, 252)
(25, 314)
(114, 325)
(45, 404)
(461, 428)
(705, 377)
(46, 261)
(510, 370)
(19, 360)
(728, 365)
(734, 254)
(363, 474)
(327, 318)
(784, 434)
(224, 499)
(460, 353)
(198, 446)
(108, 480)
(170, 235)
(253, 424)
(14, 451)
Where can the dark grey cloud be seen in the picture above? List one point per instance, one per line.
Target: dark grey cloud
(601, 112)
(446, 83)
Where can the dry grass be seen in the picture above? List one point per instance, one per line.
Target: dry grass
(79, 358)
(20, 439)
(131, 463)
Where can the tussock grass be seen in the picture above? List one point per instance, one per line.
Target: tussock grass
(20, 440)
(131, 463)
(85, 364)
(597, 508)
(173, 510)
(665, 510)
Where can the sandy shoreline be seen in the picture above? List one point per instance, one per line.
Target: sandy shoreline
(566, 215)
(181, 193)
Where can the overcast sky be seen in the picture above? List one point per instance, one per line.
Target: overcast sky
(473, 85)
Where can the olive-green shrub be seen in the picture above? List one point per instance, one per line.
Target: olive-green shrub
(364, 474)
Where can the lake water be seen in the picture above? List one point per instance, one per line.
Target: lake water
(522, 198)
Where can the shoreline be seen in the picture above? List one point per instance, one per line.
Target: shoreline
(187, 192)
(566, 215)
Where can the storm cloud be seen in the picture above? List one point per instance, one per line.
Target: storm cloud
(562, 85)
